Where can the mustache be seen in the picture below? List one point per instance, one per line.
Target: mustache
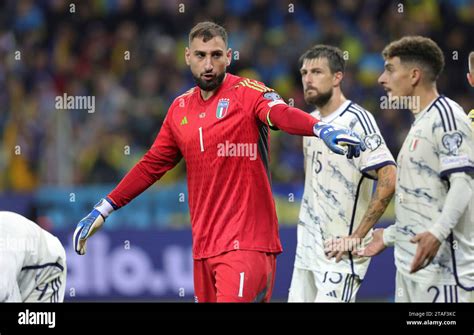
(310, 88)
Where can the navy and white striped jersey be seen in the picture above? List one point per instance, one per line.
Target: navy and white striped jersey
(439, 143)
(338, 190)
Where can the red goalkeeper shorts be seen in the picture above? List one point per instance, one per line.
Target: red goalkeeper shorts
(236, 276)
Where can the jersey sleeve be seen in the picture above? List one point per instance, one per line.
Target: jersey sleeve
(264, 104)
(260, 99)
(269, 108)
(377, 153)
(163, 155)
(453, 136)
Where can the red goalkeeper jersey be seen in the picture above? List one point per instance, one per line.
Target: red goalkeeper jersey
(225, 144)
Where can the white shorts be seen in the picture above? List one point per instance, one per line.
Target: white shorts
(329, 286)
(407, 290)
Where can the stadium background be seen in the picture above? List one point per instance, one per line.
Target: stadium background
(55, 164)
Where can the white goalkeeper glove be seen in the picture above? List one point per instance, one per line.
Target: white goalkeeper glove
(91, 223)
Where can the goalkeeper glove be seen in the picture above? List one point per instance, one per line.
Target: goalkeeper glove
(340, 141)
(91, 223)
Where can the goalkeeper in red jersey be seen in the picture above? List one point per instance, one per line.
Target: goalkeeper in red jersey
(221, 129)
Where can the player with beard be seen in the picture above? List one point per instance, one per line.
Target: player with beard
(434, 208)
(233, 218)
(338, 209)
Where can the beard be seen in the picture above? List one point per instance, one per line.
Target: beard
(209, 85)
(319, 100)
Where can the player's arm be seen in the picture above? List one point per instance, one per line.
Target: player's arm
(161, 157)
(297, 122)
(381, 239)
(273, 111)
(384, 191)
(381, 198)
(457, 201)
(454, 144)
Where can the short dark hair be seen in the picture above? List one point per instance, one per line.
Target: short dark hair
(207, 30)
(333, 54)
(418, 49)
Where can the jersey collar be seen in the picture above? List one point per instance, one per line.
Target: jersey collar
(419, 115)
(331, 117)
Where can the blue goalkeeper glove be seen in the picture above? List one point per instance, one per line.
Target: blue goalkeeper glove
(341, 141)
(91, 223)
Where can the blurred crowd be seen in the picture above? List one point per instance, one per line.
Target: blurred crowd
(129, 55)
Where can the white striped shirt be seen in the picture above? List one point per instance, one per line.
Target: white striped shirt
(439, 143)
(338, 191)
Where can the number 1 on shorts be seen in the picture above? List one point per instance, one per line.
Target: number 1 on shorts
(241, 285)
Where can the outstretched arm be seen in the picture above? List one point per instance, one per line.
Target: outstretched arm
(297, 122)
(162, 156)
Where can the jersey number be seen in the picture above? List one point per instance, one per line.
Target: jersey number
(241, 284)
(318, 166)
(450, 293)
(201, 142)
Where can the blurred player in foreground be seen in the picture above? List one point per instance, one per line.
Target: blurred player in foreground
(470, 79)
(221, 129)
(434, 230)
(32, 262)
(337, 200)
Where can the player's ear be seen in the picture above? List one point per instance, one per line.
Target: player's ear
(338, 78)
(470, 79)
(187, 55)
(415, 76)
(229, 56)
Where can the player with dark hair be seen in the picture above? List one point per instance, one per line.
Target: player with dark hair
(434, 248)
(234, 223)
(339, 208)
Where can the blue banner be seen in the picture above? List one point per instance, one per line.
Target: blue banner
(157, 266)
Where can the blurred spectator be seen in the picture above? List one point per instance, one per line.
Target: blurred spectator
(128, 55)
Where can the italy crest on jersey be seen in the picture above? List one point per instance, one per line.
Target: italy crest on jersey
(222, 107)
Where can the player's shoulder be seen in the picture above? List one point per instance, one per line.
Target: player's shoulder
(184, 97)
(252, 86)
(16, 224)
(359, 117)
(449, 113)
(182, 100)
